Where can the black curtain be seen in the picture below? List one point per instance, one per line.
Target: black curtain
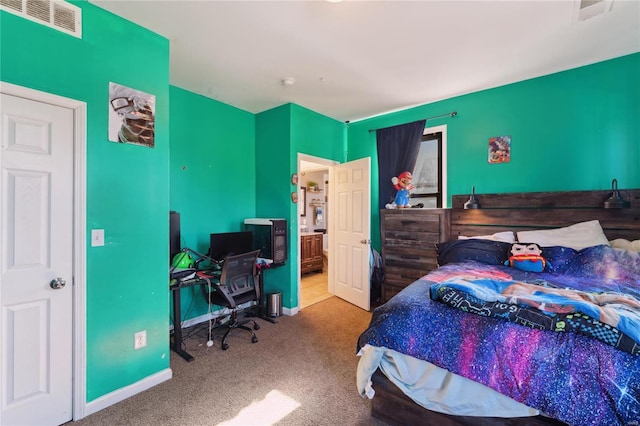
(398, 148)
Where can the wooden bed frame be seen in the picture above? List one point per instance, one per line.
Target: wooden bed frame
(509, 212)
(545, 210)
(392, 406)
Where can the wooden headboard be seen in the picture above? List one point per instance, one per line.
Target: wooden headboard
(409, 236)
(545, 210)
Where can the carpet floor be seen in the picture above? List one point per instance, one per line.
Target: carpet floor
(302, 371)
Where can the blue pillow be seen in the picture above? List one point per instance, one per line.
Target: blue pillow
(484, 251)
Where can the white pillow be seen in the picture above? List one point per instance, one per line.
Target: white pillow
(626, 244)
(507, 237)
(578, 236)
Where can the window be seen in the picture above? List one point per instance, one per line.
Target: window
(427, 174)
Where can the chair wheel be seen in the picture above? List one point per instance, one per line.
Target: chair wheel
(225, 346)
(256, 326)
(254, 339)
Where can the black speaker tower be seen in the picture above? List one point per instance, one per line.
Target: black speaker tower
(174, 234)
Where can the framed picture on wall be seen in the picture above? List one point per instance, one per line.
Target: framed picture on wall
(131, 116)
(500, 149)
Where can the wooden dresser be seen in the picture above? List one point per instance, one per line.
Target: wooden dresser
(310, 253)
(408, 239)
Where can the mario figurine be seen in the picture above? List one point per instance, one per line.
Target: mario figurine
(526, 257)
(403, 184)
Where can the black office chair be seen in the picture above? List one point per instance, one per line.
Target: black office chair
(237, 284)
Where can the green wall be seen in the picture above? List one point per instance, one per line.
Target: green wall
(320, 136)
(212, 173)
(273, 194)
(574, 130)
(282, 133)
(127, 185)
(213, 166)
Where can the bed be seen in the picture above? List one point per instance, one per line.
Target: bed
(481, 340)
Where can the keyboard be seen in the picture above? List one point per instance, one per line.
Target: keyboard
(182, 273)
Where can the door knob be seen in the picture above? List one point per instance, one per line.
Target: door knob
(57, 283)
(365, 241)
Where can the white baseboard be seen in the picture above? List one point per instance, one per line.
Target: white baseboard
(223, 313)
(204, 318)
(126, 392)
(290, 311)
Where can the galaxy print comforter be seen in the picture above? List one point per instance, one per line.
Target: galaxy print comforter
(547, 304)
(569, 376)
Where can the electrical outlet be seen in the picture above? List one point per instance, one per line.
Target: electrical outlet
(140, 339)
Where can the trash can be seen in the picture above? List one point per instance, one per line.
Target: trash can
(274, 304)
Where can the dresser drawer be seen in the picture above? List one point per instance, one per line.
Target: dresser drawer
(394, 239)
(412, 223)
(408, 239)
(416, 259)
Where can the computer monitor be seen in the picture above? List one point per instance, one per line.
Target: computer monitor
(230, 243)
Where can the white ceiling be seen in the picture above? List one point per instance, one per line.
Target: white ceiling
(356, 59)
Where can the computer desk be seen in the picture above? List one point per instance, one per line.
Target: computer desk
(176, 345)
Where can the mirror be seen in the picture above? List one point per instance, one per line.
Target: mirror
(302, 201)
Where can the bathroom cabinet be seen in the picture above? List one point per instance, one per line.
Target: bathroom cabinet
(310, 253)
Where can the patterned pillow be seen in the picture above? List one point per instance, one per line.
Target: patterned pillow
(558, 257)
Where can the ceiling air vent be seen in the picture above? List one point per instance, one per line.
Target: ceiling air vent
(56, 14)
(585, 9)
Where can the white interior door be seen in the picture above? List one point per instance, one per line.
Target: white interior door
(351, 219)
(36, 215)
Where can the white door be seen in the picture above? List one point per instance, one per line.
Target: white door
(36, 215)
(351, 218)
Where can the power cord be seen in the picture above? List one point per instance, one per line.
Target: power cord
(213, 264)
(209, 313)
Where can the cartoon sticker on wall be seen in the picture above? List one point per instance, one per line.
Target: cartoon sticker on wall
(131, 116)
(500, 149)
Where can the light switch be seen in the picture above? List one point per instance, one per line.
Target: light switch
(97, 237)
